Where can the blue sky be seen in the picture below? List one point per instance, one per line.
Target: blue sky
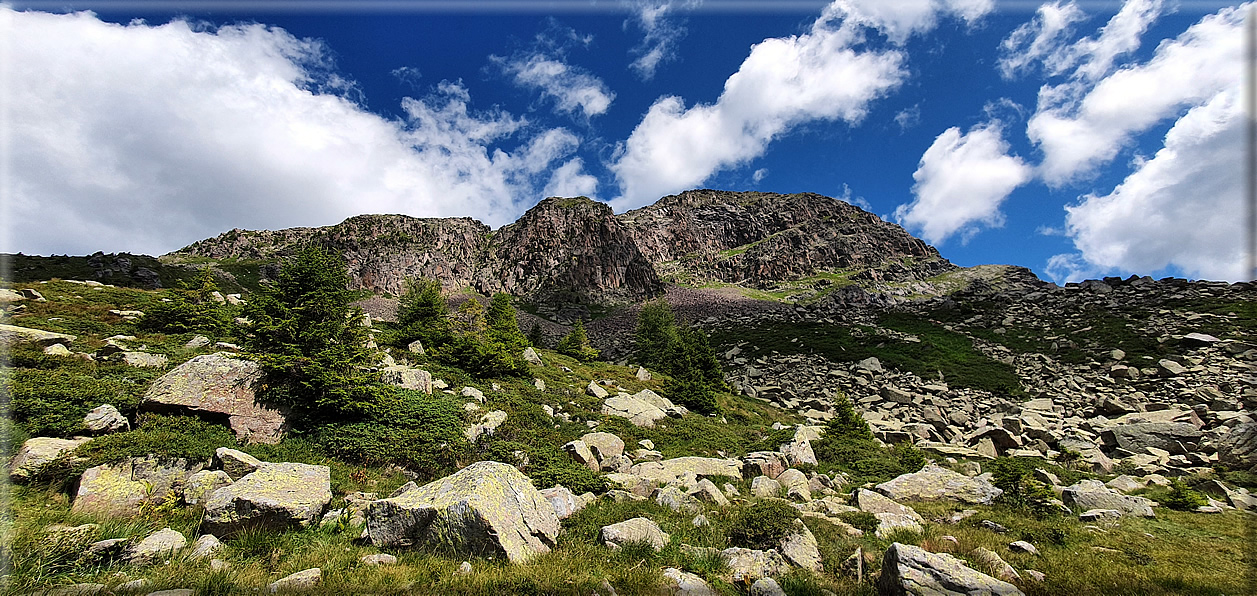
(1078, 139)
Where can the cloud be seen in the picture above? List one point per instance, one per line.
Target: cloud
(1080, 126)
(908, 117)
(146, 138)
(824, 74)
(570, 180)
(759, 175)
(962, 180)
(899, 19)
(1182, 208)
(1038, 40)
(661, 33)
(571, 88)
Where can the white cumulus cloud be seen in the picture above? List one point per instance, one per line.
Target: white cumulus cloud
(961, 181)
(572, 89)
(1080, 127)
(824, 74)
(146, 138)
(1182, 208)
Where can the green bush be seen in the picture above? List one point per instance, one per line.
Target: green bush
(482, 357)
(406, 428)
(422, 314)
(763, 525)
(862, 520)
(545, 465)
(1182, 497)
(576, 344)
(190, 310)
(165, 436)
(1015, 476)
(53, 402)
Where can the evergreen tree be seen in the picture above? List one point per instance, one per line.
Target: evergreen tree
(503, 326)
(683, 353)
(656, 332)
(422, 314)
(309, 339)
(469, 320)
(536, 338)
(576, 344)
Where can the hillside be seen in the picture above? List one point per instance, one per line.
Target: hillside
(884, 415)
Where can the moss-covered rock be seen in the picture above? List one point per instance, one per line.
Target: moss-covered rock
(277, 495)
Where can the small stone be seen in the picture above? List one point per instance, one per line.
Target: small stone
(1022, 546)
(766, 586)
(465, 568)
(105, 419)
(994, 527)
(379, 559)
(301, 580)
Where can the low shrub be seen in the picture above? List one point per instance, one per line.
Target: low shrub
(52, 402)
(1182, 497)
(862, 520)
(1014, 475)
(763, 525)
(165, 436)
(407, 428)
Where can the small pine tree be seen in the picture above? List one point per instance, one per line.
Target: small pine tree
(656, 334)
(469, 320)
(1182, 497)
(536, 338)
(576, 344)
(309, 341)
(503, 326)
(422, 314)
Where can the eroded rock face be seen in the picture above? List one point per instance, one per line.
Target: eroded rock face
(218, 384)
(935, 483)
(486, 508)
(1238, 449)
(276, 495)
(911, 570)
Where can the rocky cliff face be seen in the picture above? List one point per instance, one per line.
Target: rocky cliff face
(760, 238)
(577, 250)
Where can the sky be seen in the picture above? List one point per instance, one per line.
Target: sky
(1079, 139)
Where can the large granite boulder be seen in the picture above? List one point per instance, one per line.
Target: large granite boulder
(911, 570)
(1176, 437)
(747, 565)
(1093, 494)
(935, 483)
(37, 453)
(120, 488)
(638, 411)
(218, 384)
(487, 508)
(604, 445)
(801, 549)
(275, 496)
(1238, 449)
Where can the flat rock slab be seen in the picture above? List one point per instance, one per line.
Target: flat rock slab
(638, 529)
(223, 385)
(10, 334)
(911, 570)
(638, 412)
(669, 470)
(935, 483)
(487, 508)
(277, 495)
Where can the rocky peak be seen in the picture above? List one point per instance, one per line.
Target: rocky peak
(572, 250)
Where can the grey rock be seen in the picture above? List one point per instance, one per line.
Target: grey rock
(489, 423)
(160, 544)
(119, 489)
(604, 445)
(1092, 494)
(202, 483)
(378, 559)
(795, 484)
(1175, 437)
(747, 565)
(565, 503)
(11, 334)
(766, 586)
(638, 411)
(1022, 546)
(935, 483)
(298, 582)
(407, 378)
(911, 570)
(687, 584)
(801, 549)
(143, 359)
(994, 564)
(595, 390)
(638, 529)
(36, 453)
(675, 499)
(218, 384)
(487, 507)
(276, 495)
(1099, 514)
(765, 487)
(199, 341)
(104, 419)
(236, 464)
(580, 453)
(1237, 450)
(531, 357)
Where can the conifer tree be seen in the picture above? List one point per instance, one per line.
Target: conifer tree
(576, 344)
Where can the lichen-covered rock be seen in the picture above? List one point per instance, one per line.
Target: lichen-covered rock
(484, 509)
(706, 490)
(307, 579)
(913, 571)
(489, 423)
(604, 445)
(674, 498)
(580, 453)
(795, 484)
(36, 453)
(1092, 494)
(531, 357)
(935, 483)
(160, 544)
(766, 586)
(202, 483)
(765, 487)
(593, 389)
(276, 495)
(799, 452)
(638, 412)
(766, 463)
(564, 502)
(407, 378)
(218, 384)
(206, 546)
(237, 464)
(143, 359)
(746, 565)
(801, 549)
(118, 489)
(638, 529)
(105, 419)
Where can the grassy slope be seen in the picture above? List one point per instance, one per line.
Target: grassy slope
(1186, 553)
